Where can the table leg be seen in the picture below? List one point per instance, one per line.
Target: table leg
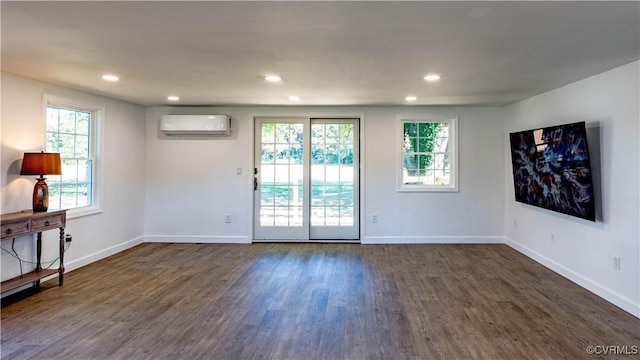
(38, 251)
(61, 268)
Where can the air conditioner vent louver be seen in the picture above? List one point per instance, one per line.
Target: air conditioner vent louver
(192, 125)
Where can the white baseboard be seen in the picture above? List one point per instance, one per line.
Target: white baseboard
(622, 302)
(432, 240)
(86, 260)
(197, 239)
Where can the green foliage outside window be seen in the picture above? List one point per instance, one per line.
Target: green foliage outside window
(419, 145)
(330, 143)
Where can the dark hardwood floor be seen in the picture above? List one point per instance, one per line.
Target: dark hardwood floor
(314, 301)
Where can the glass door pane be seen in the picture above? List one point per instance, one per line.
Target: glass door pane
(280, 180)
(282, 175)
(334, 192)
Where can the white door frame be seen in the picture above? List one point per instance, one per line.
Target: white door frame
(359, 143)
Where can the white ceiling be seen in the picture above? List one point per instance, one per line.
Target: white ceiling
(328, 53)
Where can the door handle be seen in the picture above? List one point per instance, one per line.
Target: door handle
(255, 184)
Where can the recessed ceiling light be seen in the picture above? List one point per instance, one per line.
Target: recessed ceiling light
(294, 98)
(432, 77)
(110, 77)
(411, 98)
(273, 78)
(173, 98)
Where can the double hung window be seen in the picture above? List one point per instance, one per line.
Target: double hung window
(428, 160)
(72, 131)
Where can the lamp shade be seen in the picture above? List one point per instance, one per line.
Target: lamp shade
(41, 163)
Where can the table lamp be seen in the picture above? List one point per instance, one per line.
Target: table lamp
(41, 164)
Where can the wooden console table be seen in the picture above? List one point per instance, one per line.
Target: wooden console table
(28, 223)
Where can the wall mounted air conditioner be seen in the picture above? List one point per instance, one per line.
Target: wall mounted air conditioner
(207, 125)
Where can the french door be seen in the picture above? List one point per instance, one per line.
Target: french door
(306, 179)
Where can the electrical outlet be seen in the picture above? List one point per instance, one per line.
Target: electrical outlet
(616, 262)
(515, 222)
(227, 218)
(239, 171)
(553, 238)
(374, 218)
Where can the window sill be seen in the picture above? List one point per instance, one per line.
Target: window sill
(418, 188)
(81, 212)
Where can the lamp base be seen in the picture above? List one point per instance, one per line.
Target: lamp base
(40, 196)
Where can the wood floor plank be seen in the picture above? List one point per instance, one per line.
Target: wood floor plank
(312, 301)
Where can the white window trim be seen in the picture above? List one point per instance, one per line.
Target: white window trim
(453, 145)
(97, 133)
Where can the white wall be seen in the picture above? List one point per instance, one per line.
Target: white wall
(192, 183)
(583, 251)
(120, 225)
(474, 214)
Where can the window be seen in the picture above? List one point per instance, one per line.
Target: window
(71, 130)
(428, 160)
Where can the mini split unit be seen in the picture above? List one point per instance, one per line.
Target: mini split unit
(201, 125)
